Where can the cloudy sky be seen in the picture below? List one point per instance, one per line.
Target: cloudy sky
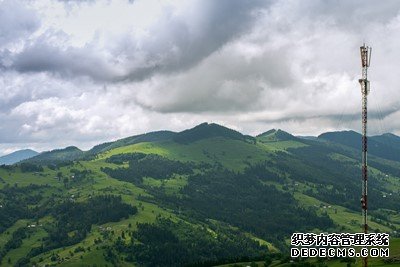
(84, 72)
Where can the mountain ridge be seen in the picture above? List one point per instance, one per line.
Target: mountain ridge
(17, 156)
(386, 145)
(207, 130)
(276, 135)
(382, 146)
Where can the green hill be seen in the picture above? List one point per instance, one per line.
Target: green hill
(148, 137)
(385, 146)
(57, 155)
(388, 139)
(202, 197)
(206, 130)
(17, 156)
(276, 135)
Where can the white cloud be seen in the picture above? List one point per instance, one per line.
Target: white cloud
(84, 72)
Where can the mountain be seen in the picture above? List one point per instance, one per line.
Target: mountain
(70, 153)
(208, 130)
(274, 135)
(306, 137)
(347, 138)
(205, 196)
(17, 156)
(147, 137)
(385, 146)
(388, 139)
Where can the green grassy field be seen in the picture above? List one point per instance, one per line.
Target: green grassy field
(233, 154)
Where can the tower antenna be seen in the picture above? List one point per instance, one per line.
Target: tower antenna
(365, 61)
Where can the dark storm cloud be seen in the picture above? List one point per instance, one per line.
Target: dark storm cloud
(220, 22)
(67, 63)
(12, 29)
(175, 44)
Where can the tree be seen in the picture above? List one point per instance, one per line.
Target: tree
(267, 262)
(65, 181)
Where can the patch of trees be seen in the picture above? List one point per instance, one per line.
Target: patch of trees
(79, 175)
(142, 165)
(386, 168)
(242, 200)
(14, 202)
(14, 242)
(262, 171)
(56, 165)
(30, 167)
(74, 220)
(11, 212)
(338, 181)
(7, 167)
(168, 243)
(121, 158)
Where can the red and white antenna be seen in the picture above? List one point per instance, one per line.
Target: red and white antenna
(365, 62)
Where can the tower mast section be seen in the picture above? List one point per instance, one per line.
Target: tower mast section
(365, 88)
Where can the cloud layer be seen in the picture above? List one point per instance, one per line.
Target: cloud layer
(84, 72)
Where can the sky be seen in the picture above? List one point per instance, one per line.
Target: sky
(85, 72)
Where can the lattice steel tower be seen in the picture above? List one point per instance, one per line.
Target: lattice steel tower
(365, 62)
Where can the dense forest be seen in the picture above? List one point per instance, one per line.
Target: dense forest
(241, 199)
(142, 165)
(168, 243)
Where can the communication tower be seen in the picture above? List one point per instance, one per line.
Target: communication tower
(365, 62)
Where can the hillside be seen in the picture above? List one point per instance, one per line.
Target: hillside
(55, 156)
(388, 139)
(206, 130)
(205, 196)
(147, 137)
(275, 135)
(385, 146)
(17, 156)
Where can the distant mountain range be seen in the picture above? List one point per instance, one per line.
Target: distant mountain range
(386, 146)
(17, 156)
